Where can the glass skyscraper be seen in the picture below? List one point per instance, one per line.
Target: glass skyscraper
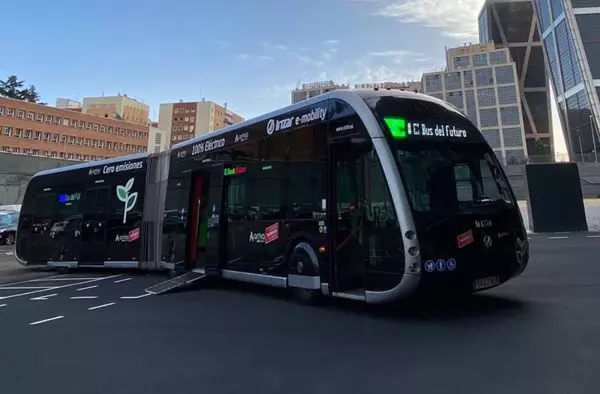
(512, 24)
(570, 30)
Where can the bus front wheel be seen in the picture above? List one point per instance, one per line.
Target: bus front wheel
(305, 296)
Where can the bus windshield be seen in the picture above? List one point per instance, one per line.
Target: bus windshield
(449, 177)
(446, 164)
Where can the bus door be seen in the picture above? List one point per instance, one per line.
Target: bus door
(40, 243)
(345, 214)
(210, 222)
(196, 243)
(93, 247)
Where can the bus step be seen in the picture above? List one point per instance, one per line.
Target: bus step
(176, 283)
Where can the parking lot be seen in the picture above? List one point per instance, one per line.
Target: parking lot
(99, 332)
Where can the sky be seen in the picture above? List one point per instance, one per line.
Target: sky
(246, 53)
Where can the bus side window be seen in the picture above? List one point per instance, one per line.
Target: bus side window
(43, 213)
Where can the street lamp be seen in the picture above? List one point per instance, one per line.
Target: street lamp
(580, 145)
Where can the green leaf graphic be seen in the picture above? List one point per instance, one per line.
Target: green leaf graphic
(131, 200)
(129, 184)
(122, 193)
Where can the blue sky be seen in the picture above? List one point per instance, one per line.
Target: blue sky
(249, 54)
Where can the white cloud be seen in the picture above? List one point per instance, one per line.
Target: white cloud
(272, 46)
(307, 60)
(249, 56)
(453, 18)
(394, 53)
(331, 42)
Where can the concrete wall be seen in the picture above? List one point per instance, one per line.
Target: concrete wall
(16, 170)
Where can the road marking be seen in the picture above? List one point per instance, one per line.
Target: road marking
(27, 288)
(2, 305)
(87, 288)
(45, 320)
(44, 297)
(27, 281)
(62, 279)
(59, 287)
(136, 297)
(122, 280)
(101, 306)
(558, 237)
(84, 298)
(593, 236)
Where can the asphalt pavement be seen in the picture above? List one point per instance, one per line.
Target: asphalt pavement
(98, 332)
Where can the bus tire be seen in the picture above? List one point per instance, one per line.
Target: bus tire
(304, 296)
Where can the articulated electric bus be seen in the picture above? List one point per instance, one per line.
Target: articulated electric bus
(372, 195)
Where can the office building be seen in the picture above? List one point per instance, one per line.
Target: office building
(570, 30)
(512, 24)
(158, 139)
(310, 90)
(482, 81)
(39, 130)
(186, 120)
(118, 107)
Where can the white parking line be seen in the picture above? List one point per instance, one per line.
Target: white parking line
(2, 305)
(61, 279)
(87, 288)
(45, 320)
(558, 237)
(101, 306)
(59, 287)
(26, 287)
(122, 280)
(44, 297)
(136, 297)
(84, 298)
(593, 236)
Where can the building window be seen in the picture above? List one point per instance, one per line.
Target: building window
(79, 140)
(498, 57)
(49, 118)
(453, 80)
(103, 129)
(28, 134)
(516, 156)
(433, 83)
(74, 123)
(480, 59)
(486, 97)
(53, 154)
(81, 124)
(10, 112)
(18, 133)
(88, 125)
(110, 130)
(40, 117)
(63, 139)
(21, 114)
(46, 137)
(193, 119)
(65, 122)
(1, 111)
(96, 127)
(101, 144)
(8, 131)
(54, 137)
(507, 95)
(71, 140)
(488, 117)
(512, 137)
(462, 61)
(504, 75)
(30, 116)
(484, 77)
(510, 116)
(58, 120)
(87, 142)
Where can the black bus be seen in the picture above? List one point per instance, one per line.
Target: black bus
(372, 195)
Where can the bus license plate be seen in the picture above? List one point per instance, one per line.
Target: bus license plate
(484, 283)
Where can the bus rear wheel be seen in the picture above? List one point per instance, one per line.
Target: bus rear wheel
(304, 296)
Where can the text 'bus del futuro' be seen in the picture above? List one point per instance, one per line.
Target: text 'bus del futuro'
(363, 194)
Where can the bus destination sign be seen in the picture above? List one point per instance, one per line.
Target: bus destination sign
(400, 128)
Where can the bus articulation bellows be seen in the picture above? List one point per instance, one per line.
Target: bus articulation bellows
(374, 195)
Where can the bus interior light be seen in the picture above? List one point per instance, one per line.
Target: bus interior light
(397, 126)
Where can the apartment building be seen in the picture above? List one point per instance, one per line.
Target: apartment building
(482, 81)
(186, 120)
(65, 103)
(118, 107)
(39, 130)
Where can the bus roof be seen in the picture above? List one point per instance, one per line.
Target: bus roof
(343, 94)
(91, 164)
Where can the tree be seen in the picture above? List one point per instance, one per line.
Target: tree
(13, 88)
